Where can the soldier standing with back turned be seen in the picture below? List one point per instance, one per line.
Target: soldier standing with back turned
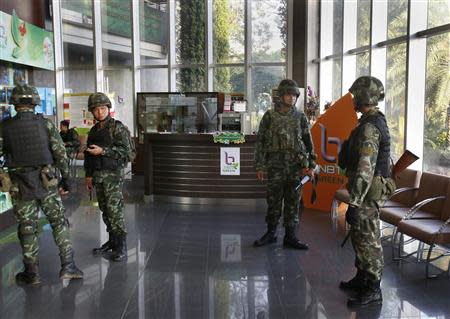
(284, 149)
(366, 158)
(33, 150)
(106, 158)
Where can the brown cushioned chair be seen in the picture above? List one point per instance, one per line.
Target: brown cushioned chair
(429, 231)
(421, 205)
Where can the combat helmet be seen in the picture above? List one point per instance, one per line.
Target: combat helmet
(367, 90)
(288, 86)
(23, 94)
(96, 99)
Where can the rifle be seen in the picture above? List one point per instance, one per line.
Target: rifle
(306, 179)
(403, 163)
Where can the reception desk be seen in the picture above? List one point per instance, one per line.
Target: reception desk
(186, 168)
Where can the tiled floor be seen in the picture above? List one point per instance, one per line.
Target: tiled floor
(198, 262)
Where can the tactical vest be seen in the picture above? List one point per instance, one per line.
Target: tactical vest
(26, 141)
(102, 138)
(285, 133)
(383, 166)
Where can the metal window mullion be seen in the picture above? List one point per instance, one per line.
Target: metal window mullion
(415, 84)
(209, 46)
(313, 45)
(290, 39)
(59, 60)
(326, 48)
(248, 53)
(379, 32)
(172, 43)
(98, 49)
(136, 51)
(350, 20)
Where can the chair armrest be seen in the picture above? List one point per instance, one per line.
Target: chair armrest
(444, 224)
(403, 190)
(419, 205)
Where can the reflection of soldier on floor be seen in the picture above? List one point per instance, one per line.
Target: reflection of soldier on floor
(33, 153)
(70, 138)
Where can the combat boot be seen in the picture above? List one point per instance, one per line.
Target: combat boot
(291, 241)
(68, 268)
(356, 284)
(268, 238)
(370, 295)
(106, 247)
(30, 275)
(120, 252)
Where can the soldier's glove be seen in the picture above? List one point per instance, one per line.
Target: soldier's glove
(351, 216)
(64, 183)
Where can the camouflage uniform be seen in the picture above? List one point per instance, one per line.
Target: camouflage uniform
(108, 183)
(71, 141)
(283, 149)
(27, 200)
(365, 233)
(369, 185)
(107, 172)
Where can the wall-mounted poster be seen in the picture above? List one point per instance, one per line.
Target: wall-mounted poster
(4, 75)
(19, 76)
(24, 43)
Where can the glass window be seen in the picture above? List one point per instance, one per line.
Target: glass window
(154, 80)
(338, 8)
(395, 97)
(191, 79)
(337, 78)
(78, 48)
(363, 23)
(117, 84)
(362, 64)
(436, 155)
(116, 33)
(229, 79)
(153, 28)
(228, 31)
(190, 32)
(269, 30)
(438, 12)
(264, 79)
(397, 18)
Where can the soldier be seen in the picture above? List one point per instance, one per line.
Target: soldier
(33, 150)
(284, 150)
(366, 158)
(70, 138)
(108, 148)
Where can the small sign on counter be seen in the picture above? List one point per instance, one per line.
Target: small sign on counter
(230, 161)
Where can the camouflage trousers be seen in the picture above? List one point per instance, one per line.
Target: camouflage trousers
(108, 186)
(26, 212)
(366, 240)
(282, 196)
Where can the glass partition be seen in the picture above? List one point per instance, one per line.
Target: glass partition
(191, 112)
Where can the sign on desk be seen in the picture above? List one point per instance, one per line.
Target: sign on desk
(230, 161)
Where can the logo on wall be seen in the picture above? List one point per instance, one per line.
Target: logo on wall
(329, 132)
(230, 161)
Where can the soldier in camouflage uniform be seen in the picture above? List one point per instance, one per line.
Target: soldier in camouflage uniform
(284, 150)
(366, 159)
(33, 150)
(70, 138)
(105, 160)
